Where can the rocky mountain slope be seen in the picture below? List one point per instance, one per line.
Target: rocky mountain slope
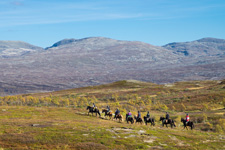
(210, 47)
(74, 63)
(17, 48)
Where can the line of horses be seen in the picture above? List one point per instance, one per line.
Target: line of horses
(131, 120)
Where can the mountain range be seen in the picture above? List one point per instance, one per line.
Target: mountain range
(73, 63)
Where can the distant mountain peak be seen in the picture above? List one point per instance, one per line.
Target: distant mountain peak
(211, 40)
(16, 48)
(62, 42)
(198, 48)
(72, 40)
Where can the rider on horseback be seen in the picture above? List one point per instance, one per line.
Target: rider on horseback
(129, 115)
(93, 106)
(148, 115)
(187, 119)
(117, 112)
(167, 117)
(139, 115)
(108, 109)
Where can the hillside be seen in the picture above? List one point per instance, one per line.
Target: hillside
(59, 120)
(16, 48)
(73, 63)
(209, 47)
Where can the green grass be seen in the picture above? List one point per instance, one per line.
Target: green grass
(42, 125)
(67, 128)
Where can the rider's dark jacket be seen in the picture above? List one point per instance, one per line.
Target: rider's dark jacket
(148, 115)
(167, 116)
(117, 112)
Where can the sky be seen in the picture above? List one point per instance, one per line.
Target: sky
(157, 22)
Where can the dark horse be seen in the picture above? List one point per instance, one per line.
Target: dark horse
(169, 121)
(149, 120)
(107, 113)
(190, 123)
(119, 116)
(129, 119)
(140, 120)
(92, 110)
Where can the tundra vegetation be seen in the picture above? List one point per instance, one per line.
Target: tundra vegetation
(59, 120)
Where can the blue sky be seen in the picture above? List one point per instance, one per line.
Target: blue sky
(158, 22)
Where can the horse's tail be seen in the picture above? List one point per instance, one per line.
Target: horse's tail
(153, 121)
(121, 118)
(174, 123)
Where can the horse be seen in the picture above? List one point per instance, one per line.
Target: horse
(107, 113)
(119, 116)
(140, 120)
(149, 120)
(92, 110)
(189, 123)
(129, 119)
(169, 121)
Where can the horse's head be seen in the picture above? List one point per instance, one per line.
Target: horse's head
(161, 118)
(182, 120)
(145, 118)
(88, 107)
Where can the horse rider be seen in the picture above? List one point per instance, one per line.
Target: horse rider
(93, 106)
(187, 119)
(148, 115)
(117, 112)
(139, 115)
(129, 115)
(108, 108)
(167, 117)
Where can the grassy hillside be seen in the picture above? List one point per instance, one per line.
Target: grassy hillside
(66, 128)
(58, 120)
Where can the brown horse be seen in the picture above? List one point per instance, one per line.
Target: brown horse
(107, 113)
(119, 116)
(139, 120)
